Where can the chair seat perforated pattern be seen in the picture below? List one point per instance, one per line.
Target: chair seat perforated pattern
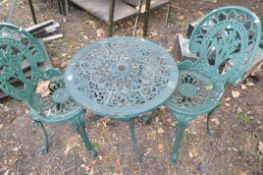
(57, 103)
(195, 92)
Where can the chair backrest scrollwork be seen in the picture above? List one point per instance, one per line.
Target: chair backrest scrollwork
(19, 49)
(226, 41)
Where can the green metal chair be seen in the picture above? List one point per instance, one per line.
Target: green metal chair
(17, 47)
(225, 42)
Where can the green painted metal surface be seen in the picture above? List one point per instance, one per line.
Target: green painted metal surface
(18, 47)
(225, 42)
(122, 77)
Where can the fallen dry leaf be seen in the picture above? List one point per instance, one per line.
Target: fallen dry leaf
(100, 33)
(250, 84)
(216, 121)
(118, 162)
(243, 87)
(193, 153)
(154, 33)
(85, 37)
(181, 18)
(213, 1)
(72, 143)
(260, 146)
(227, 104)
(43, 88)
(160, 147)
(256, 68)
(143, 8)
(228, 99)
(162, 108)
(148, 151)
(64, 63)
(160, 131)
(86, 167)
(235, 94)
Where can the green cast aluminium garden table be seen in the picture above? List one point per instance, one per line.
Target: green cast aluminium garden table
(122, 77)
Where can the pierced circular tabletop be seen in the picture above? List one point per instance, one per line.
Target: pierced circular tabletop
(121, 76)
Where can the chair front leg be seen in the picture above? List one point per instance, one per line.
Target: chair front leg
(80, 126)
(134, 140)
(182, 123)
(44, 147)
(210, 131)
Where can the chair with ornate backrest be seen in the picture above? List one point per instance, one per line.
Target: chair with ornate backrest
(17, 47)
(225, 42)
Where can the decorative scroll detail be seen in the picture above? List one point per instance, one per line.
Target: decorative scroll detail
(227, 39)
(18, 47)
(122, 73)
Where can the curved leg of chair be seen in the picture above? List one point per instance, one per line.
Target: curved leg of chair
(44, 147)
(180, 128)
(80, 126)
(133, 138)
(210, 131)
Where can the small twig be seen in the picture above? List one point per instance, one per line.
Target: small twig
(209, 163)
(67, 170)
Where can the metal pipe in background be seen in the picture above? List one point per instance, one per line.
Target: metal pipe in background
(32, 11)
(168, 12)
(111, 17)
(137, 18)
(146, 17)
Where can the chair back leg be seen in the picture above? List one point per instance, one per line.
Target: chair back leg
(182, 122)
(44, 147)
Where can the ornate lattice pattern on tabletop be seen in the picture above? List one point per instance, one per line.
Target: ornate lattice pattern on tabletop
(121, 76)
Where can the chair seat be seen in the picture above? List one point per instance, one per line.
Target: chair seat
(195, 94)
(57, 105)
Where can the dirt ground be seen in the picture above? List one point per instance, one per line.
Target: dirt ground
(238, 123)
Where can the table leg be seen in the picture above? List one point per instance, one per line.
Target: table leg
(80, 126)
(134, 140)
